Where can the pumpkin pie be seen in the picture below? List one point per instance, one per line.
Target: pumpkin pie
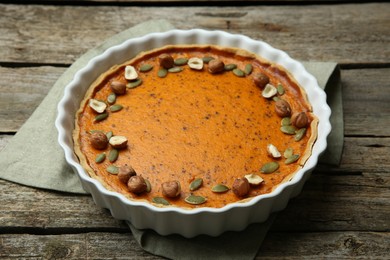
(194, 126)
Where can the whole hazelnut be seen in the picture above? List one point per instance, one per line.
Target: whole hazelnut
(241, 187)
(299, 119)
(118, 87)
(282, 108)
(171, 189)
(166, 61)
(98, 140)
(137, 184)
(260, 80)
(125, 173)
(216, 66)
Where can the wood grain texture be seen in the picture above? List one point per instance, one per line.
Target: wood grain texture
(60, 34)
(99, 245)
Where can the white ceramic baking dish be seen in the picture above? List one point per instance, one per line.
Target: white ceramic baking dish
(173, 220)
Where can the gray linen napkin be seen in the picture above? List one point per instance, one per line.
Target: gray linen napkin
(33, 158)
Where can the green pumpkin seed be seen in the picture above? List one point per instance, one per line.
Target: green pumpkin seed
(94, 131)
(207, 59)
(248, 69)
(101, 117)
(109, 134)
(160, 200)
(238, 73)
(111, 98)
(162, 73)
(180, 61)
(300, 134)
(116, 108)
(134, 84)
(113, 155)
(145, 67)
(288, 129)
(275, 98)
(195, 200)
(293, 158)
(112, 169)
(280, 89)
(269, 167)
(220, 188)
(148, 186)
(100, 158)
(175, 69)
(288, 153)
(285, 121)
(229, 67)
(196, 184)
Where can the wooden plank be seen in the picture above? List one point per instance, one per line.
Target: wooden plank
(59, 34)
(365, 92)
(99, 245)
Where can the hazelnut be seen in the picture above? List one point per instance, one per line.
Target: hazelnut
(282, 108)
(195, 63)
(98, 140)
(171, 189)
(137, 184)
(118, 141)
(97, 105)
(260, 80)
(130, 73)
(118, 87)
(299, 120)
(125, 172)
(166, 61)
(216, 66)
(241, 187)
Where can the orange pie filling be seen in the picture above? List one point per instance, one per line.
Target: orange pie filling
(194, 126)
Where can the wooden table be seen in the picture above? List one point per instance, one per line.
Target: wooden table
(343, 212)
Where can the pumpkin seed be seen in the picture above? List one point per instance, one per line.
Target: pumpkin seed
(112, 169)
(276, 98)
(101, 117)
(220, 188)
(145, 67)
(288, 153)
(229, 67)
(293, 158)
(113, 155)
(116, 108)
(300, 134)
(207, 59)
(94, 131)
(269, 167)
(280, 89)
(288, 129)
(238, 73)
(100, 158)
(180, 61)
(285, 121)
(148, 186)
(195, 200)
(175, 69)
(195, 184)
(162, 73)
(109, 134)
(134, 83)
(111, 98)
(248, 69)
(160, 200)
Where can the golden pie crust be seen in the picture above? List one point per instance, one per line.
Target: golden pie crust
(195, 124)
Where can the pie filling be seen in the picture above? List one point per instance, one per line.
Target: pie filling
(194, 126)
